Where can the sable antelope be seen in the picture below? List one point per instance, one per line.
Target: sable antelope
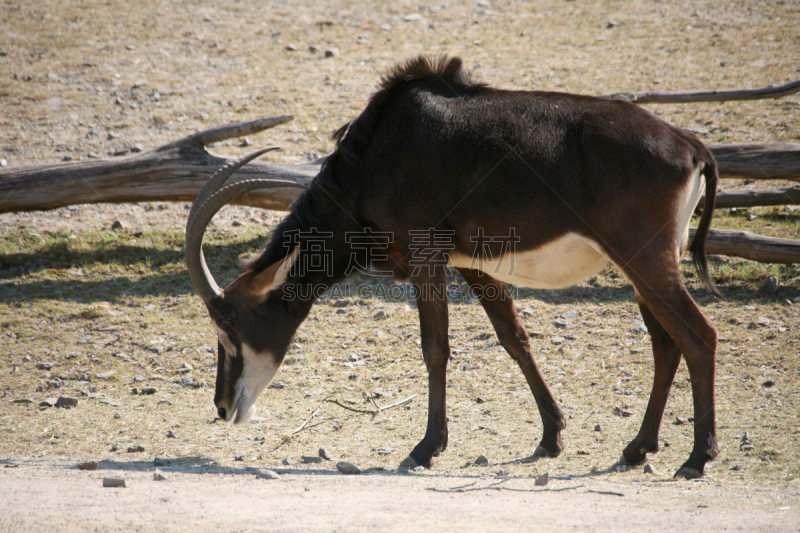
(571, 181)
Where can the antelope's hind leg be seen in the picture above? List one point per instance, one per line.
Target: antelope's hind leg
(673, 312)
(502, 312)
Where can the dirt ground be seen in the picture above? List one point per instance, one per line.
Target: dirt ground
(54, 496)
(94, 313)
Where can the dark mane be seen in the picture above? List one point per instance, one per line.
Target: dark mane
(332, 182)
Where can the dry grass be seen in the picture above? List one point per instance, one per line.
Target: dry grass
(148, 72)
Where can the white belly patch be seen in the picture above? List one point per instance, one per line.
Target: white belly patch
(559, 263)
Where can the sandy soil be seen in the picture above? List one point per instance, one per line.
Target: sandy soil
(56, 496)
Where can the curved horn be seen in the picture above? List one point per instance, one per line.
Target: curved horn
(201, 277)
(220, 177)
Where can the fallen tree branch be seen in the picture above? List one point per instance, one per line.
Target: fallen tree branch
(372, 411)
(173, 173)
(470, 488)
(756, 197)
(778, 161)
(751, 246)
(713, 95)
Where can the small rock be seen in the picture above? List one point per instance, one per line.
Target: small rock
(288, 461)
(117, 225)
(106, 375)
(767, 384)
(138, 231)
(192, 384)
(89, 465)
(570, 314)
(323, 453)
(342, 311)
(113, 482)
(384, 451)
(290, 47)
(352, 358)
(160, 462)
(736, 467)
(542, 480)
(481, 461)
(310, 459)
(238, 457)
(263, 473)
(379, 315)
(136, 449)
(44, 366)
(418, 468)
(49, 402)
(650, 469)
(279, 385)
(158, 476)
(502, 473)
(561, 323)
(22, 401)
(347, 468)
(622, 412)
(480, 399)
(411, 17)
(526, 311)
(557, 340)
(117, 416)
(680, 420)
(332, 52)
(762, 321)
(313, 49)
(598, 428)
(66, 402)
(640, 328)
(148, 390)
(771, 283)
(171, 435)
(115, 447)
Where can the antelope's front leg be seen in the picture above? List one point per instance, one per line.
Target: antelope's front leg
(432, 304)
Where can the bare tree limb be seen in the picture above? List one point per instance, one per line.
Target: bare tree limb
(778, 161)
(174, 172)
(756, 197)
(713, 95)
(751, 246)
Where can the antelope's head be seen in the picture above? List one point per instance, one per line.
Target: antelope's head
(253, 322)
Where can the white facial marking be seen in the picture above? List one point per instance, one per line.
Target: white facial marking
(282, 273)
(559, 263)
(685, 205)
(258, 371)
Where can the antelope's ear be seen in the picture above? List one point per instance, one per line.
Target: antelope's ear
(274, 276)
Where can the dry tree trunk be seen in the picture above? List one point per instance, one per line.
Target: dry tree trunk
(751, 246)
(714, 95)
(174, 172)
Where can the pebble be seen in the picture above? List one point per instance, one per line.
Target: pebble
(542, 480)
(342, 311)
(49, 402)
(771, 283)
(138, 231)
(105, 375)
(332, 52)
(762, 321)
(324, 454)
(22, 400)
(288, 461)
(66, 402)
(311, 459)
(481, 461)
(136, 449)
(171, 435)
(347, 468)
(640, 328)
(622, 412)
(526, 311)
(160, 462)
(239, 457)
(158, 476)
(279, 385)
(117, 225)
(379, 314)
(113, 482)
(480, 399)
(502, 473)
(290, 47)
(263, 473)
(561, 323)
(44, 366)
(680, 420)
(89, 465)
(570, 314)
(190, 383)
(598, 428)
(650, 469)
(557, 340)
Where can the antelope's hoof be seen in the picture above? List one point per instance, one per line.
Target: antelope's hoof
(409, 463)
(541, 451)
(687, 472)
